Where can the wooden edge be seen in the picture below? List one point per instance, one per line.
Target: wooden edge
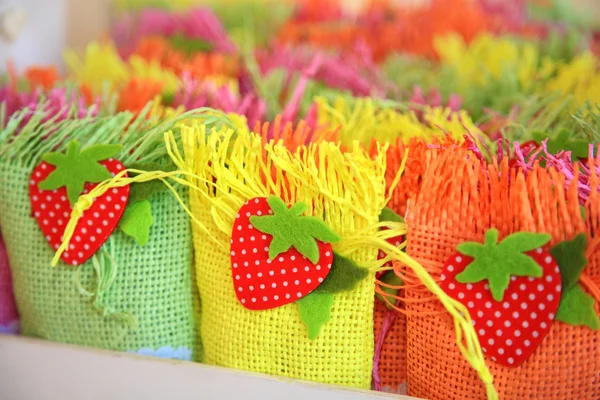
(41, 370)
(87, 21)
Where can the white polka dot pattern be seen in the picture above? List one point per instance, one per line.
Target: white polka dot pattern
(510, 330)
(93, 228)
(261, 283)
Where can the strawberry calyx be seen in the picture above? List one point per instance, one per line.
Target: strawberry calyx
(75, 168)
(291, 229)
(389, 215)
(497, 262)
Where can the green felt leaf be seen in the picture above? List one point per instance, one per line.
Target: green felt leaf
(137, 220)
(578, 148)
(75, 168)
(390, 278)
(141, 191)
(388, 215)
(315, 311)
(99, 152)
(289, 228)
(343, 277)
(570, 256)
(556, 143)
(577, 308)
(497, 262)
(563, 141)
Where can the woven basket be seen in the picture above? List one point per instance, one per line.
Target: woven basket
(149, 308)
(460, 199)
(153, 284)
(9, 318)
(391, 366)
(275, 341)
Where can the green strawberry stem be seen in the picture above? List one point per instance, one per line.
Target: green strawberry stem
(497, 262)
(290, 229)
(75, 168)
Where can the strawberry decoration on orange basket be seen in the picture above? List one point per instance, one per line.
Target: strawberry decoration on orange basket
(56, 184)
(279, 256)
(515, 289)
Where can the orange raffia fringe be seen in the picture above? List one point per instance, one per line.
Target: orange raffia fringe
(410, 181)
(460, 198)
(41, 77)
(199, 65)
(137, 94)
(400, 30)
(392, 364)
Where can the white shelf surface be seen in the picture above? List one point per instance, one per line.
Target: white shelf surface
(40, 370)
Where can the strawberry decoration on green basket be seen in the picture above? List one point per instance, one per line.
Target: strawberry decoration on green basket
(56, 185)
(279, 256)
(515, 289)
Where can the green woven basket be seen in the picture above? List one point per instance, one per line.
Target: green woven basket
(150, 306)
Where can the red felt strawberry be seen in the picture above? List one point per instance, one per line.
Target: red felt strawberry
(278, 256)
(529, 147)
(512, 290)
(55, 186)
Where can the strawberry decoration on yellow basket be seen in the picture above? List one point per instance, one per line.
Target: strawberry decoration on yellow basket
(279, 256)
(515, 289)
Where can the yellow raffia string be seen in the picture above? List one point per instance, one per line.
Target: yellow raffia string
(85, 201)
(396, 180)
(466, 337)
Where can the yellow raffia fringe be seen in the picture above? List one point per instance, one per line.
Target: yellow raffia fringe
(164, 113)
(487, 58)
(101, 65)
(580, 78)
(329, 182)
(365, 120)
(238, 160)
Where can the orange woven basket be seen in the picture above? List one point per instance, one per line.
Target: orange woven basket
(460, 198)
(391, 365)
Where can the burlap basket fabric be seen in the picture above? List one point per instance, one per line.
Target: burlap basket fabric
(153, 283)
(459, 200)
(392, 360)
(275, 341)
(9, 318)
